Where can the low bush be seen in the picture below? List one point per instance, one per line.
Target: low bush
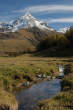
(59, 41)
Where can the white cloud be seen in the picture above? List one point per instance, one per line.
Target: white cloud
(46, 8)
(61, 20)
(42, 9)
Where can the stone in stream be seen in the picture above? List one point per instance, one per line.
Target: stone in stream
(61, 72)
(41, 76)
(27, 83)
(61, 69)
(48, 78)
(53, 77)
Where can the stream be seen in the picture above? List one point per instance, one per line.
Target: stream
(30, 97)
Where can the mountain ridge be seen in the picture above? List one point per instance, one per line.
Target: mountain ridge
(26, 21)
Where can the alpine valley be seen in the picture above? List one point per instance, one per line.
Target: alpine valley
(37, 60)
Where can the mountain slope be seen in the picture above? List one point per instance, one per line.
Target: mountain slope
(21, 41)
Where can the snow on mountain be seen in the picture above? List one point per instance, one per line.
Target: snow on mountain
(26, 21)
(33, 22)
(63, 30)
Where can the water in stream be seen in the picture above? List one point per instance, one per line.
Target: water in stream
(30, 97)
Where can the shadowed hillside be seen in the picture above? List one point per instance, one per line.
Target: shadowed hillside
(56, 45)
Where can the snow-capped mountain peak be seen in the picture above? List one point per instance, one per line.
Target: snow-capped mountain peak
(28, 16)
(63, 30)
(26, 21)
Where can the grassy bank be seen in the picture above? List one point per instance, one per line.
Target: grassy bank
(7, 101)
(64, 100)
(15, 70)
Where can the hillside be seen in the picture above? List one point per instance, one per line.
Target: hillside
(21, 41)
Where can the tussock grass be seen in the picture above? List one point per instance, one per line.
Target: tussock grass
(7, 101)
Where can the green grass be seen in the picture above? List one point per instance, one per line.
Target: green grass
(25, 65)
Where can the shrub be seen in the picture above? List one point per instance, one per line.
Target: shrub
(45, 43)
(7, 84)
(69, 35)
(57, 40)
(68, 69)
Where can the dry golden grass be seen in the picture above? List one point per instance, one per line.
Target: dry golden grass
(63, 101)
(15, 47)
(7, 100)
(17, 43)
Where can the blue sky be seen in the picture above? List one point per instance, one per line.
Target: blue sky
(57, 13)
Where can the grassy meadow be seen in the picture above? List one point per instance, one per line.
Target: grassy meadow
(14, 69)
